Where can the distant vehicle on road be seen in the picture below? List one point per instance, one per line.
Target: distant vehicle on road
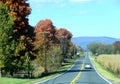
(88, 66)
(78, 54)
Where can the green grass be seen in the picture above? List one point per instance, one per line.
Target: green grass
(23, 81)
(5, 80)
(12, 81)
(104, 72)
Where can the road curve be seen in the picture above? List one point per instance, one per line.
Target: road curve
(87, 76)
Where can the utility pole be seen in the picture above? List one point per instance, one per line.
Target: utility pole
(45, 58)
(74, 49)
(0, 73)
(62, 45)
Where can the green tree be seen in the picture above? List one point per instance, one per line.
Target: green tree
(6, 33)
(16, 42)
(100, 48)
(93, 48)
(116, 47)
(54, 58)
(108, 49)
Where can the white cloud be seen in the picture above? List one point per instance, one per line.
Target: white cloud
(53, 3)
(80, 1)
(45, 1)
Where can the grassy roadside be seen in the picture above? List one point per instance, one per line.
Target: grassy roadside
(31, 81)
(107, 74)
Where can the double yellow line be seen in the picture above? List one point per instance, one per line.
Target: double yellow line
(78, 75)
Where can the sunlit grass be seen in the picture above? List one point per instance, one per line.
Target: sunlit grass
(105, 72)
(110, 62)
(12, 81)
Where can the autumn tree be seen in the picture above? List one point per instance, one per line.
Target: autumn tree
(19, 9)
(49, 42)
(22, 33)
(63, 33)
(64, 37)
(44, 39)
(72, 50)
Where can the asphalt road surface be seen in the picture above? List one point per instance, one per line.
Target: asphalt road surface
(90, 76)
(78, 74)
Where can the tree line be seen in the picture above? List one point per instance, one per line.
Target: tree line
(100, 48)
(23, 48)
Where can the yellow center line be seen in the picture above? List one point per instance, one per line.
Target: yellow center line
(78, 75)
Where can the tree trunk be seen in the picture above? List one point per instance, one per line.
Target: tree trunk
(11, 73)
(0, 73)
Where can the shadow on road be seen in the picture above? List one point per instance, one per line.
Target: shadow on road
(88, 83)
(85, 70)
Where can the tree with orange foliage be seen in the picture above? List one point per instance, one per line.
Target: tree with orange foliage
(44, 38)
(19, 9)
(49, 39)
(64, 37)
(22, 33)
(62, 32)
(45, 26)
(44, 33)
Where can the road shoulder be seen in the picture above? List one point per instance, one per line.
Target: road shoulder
(106, 74)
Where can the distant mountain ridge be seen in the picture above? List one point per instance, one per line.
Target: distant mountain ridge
(84, 41)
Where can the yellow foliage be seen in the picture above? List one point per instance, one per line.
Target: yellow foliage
(111, 62)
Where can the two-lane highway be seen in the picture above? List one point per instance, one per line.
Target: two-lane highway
(67, 76)
(86, 76)
(90, 76)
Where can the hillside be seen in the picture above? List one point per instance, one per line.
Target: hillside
(84, 41)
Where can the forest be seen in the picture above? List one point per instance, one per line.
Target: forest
(101, 48)
(26, 49)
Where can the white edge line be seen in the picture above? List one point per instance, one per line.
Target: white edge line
(100, 74)
(57, 75)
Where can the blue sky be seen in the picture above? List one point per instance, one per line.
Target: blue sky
(80, 17)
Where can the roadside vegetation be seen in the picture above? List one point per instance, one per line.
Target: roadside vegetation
(107, 59)
(105, 72)
(101, 48)
(66, 66)
(110, 62)
(27, 51)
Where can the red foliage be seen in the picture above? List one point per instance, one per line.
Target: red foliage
(19, 9)
(45, 27)
(51, 33)
(63, 33)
